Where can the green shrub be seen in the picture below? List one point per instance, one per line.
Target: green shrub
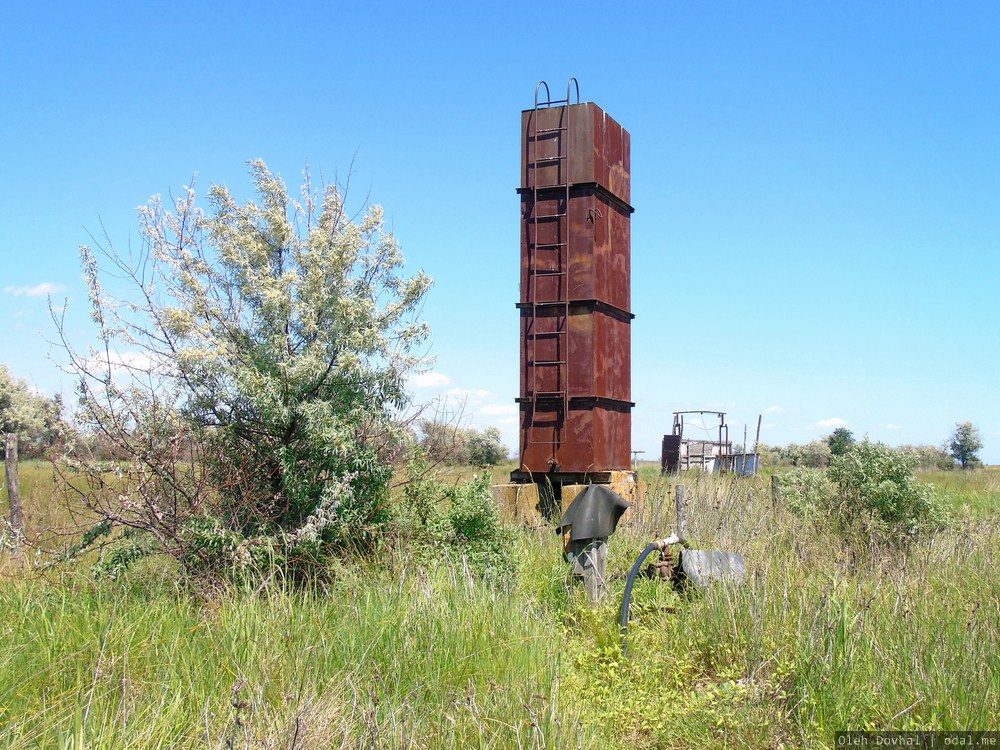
(807, 492)
(257, 423)
(877, 490)
(476, 531)
(462, 521)
(929, 457)
(814, 455)
(444, 441)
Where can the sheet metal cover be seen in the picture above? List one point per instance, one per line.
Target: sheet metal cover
(704, 567)
(594, 513)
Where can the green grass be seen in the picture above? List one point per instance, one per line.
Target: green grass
(824, 634)
(430, 660)
(974, 492)
(42, 516)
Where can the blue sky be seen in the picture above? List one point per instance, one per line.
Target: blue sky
(817, 185)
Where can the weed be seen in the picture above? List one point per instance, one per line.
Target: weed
(430, 652)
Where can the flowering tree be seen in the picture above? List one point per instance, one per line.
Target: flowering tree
(446, 441)
(965, 444)
(35, 419)
(252, 374)
(31, 424)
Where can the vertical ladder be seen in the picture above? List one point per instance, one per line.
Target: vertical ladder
(558, 257)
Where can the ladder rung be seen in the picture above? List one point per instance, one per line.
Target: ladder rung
(543, 272)
(549, 362)
(546, 159)
(538, 334)
(547, 245)
(548, 216)
(549, 394)
(548, 131)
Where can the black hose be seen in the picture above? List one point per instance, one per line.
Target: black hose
(626, 600)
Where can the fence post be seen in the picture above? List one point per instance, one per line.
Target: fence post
(14, 487)
(680, 495)
(590, 560)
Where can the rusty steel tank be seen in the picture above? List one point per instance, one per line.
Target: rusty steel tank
(575, 292)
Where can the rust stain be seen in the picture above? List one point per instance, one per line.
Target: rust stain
(575, 294)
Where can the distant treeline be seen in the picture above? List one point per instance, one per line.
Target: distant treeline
(817, 454)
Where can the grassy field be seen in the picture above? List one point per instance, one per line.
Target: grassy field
(823, 635)
(970, 493)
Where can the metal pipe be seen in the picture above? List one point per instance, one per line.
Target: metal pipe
(680, 493)
(659, 544)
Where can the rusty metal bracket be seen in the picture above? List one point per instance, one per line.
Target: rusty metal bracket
(550, 102)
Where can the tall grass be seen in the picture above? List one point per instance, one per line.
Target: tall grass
(974, 492)
(49, 524)
(433, 660)
(825, 633)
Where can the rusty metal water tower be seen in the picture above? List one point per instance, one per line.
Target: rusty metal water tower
(575, 293)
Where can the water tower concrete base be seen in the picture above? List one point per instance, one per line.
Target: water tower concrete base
(536, 500)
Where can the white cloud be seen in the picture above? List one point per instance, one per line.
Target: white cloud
(430, 380)
(775, 410)
(501, 413)
(499, 410)
(892, 426)
(39, 290)
(832, 422)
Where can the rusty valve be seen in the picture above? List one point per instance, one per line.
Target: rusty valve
(664, 569)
